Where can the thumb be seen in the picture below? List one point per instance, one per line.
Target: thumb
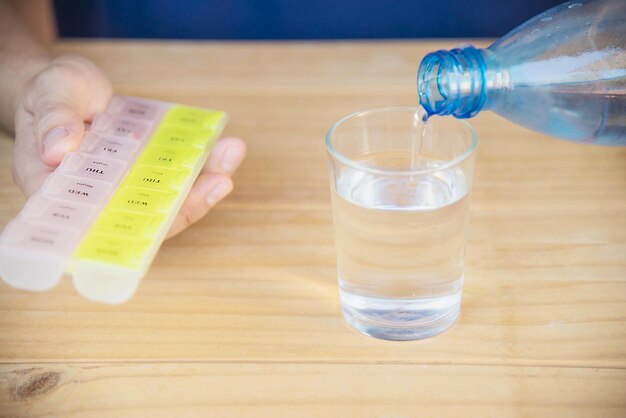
(70, 91)
(58, 127)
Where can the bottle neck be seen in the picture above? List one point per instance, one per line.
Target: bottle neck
(453, 82)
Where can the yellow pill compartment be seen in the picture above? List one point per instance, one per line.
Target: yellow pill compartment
(158, 178)
(193, 117)
(135, 199)
(129, 224)
(170, 157)
(122, 251)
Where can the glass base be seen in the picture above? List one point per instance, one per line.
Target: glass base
(403, 325)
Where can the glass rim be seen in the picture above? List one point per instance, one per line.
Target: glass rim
(332, 151)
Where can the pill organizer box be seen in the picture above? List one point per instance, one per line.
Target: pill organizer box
(103, 213)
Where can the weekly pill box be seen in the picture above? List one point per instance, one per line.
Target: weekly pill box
(103, 213)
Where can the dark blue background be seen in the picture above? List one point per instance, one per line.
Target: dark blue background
(293, 19)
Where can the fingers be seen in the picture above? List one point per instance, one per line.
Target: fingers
(208, 189)
(213, 184)
(58, 127)
(226, 155)
(61, 99)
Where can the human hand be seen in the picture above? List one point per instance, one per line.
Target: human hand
(50, 121)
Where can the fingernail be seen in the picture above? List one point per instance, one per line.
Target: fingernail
(217, 193)
(53, 137)
(230, 160)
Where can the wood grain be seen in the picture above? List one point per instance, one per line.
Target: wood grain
(301, 390)
(250, 291)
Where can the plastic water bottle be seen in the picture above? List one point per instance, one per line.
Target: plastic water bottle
(562, 73)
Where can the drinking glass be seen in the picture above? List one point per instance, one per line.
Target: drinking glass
(400, 190)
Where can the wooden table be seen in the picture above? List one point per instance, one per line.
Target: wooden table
(239, 316)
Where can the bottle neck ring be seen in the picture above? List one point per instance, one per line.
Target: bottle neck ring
(453, 82)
